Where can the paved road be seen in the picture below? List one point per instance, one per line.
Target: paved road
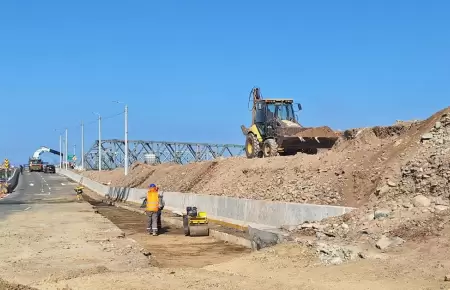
(36, 188)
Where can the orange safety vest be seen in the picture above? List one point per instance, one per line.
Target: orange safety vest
(152, 201)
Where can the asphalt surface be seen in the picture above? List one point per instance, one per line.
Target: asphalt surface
(37, 188)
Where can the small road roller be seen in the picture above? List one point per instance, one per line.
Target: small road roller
(195, 223)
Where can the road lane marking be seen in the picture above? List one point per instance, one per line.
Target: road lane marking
(46, 184)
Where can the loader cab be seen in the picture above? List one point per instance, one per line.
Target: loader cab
(270, 112)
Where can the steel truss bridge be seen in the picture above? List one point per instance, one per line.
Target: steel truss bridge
(113, 152)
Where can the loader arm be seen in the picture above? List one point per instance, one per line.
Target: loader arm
(244, 130)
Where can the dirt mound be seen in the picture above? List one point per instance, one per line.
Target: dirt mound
(317, 132)
(4, 285)
(409, 205)
(362, 160)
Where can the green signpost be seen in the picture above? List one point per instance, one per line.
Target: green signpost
(71, 157)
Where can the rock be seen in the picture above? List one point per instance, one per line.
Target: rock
(383, 243)
(305, 226)
(261, 238)
(362, 255)
(344, 226)
(370, 216)
(386, 242)
(336, 261)
(289, 228)
(382, 190)
(427, 136)
(440, 201)
(396, 241)
(421, 201)
(391, 184)
(441, 207)
(447, 278)
(381, 213)
(438, 125)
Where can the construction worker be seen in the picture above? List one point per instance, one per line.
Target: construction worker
(151, 209)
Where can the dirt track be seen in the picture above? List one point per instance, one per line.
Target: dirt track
(172, 248)
(68, 246)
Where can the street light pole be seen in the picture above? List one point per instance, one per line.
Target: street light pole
(82, 146)
(126, 140)
(99, 141)
(67, 151)
(60, 150)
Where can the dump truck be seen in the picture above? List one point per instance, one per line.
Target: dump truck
(36, 164)
(275, 130)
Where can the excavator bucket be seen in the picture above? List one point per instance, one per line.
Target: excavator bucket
(299, 139)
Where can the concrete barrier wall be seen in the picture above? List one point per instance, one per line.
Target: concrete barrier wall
(230, 209)
(13, 180)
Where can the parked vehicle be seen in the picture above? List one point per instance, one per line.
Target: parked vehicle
(50, 168)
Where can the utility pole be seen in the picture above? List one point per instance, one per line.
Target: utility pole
(82, 146)
(60, 151)
(67, 151)
(126, 140)
(126, 161)
(99, 141)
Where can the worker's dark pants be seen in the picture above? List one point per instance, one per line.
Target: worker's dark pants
(152, 221)
(159, 219)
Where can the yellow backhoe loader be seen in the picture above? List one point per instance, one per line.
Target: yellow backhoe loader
(275, 130)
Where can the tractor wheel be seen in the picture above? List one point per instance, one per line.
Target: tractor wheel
(270, 148)
(252, 148)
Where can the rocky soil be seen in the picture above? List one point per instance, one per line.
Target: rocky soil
(5, 285)
(363, 160)
(412, 205)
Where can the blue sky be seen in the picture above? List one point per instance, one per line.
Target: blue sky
(185, 68)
